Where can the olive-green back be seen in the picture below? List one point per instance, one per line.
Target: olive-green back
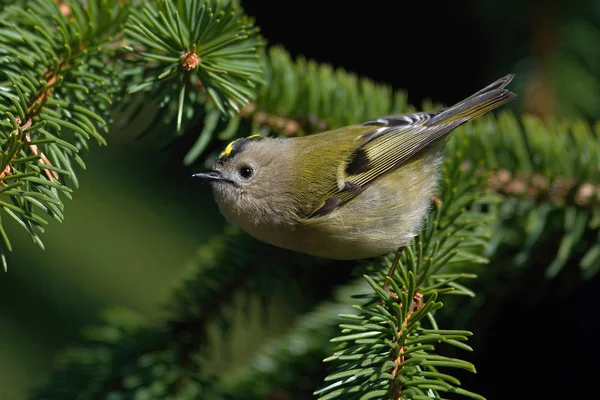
(336, 166)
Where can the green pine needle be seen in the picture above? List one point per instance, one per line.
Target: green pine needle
(54, 83)
(217, 50)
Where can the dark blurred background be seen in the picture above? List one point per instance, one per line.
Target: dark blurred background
(137, 217)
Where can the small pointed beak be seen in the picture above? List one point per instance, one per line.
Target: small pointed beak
(209, 176)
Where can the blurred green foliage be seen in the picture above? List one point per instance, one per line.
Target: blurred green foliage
(136, 220)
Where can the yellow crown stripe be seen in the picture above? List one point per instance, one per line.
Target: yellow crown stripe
(229, 148)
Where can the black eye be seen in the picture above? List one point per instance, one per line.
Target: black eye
(245, 171)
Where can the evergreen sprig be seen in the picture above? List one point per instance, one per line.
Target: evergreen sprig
(387, 349)
(56, 88)
(549, 190)
(191, 51)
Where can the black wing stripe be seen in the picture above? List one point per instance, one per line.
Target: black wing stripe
(359, 162)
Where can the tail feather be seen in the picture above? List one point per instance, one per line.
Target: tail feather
(487, 99)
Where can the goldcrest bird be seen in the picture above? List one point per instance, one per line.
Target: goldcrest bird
(351, 193)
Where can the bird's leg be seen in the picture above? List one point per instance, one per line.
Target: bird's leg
(390, 273)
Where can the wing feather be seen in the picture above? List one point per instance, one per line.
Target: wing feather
(395, 139)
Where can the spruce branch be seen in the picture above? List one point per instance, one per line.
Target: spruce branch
(302, 97)
(548, 190)
(560, 191)
(386, 349)
(194, 55)
(55, 95)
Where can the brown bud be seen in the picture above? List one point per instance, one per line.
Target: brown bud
(516, 187)
(584, 194)
(64, 9)
(260, 117)
(539, 182)
(190, 60)
(291, 127)
(504, 176)
(247, 110)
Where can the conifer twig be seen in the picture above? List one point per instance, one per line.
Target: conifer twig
(34, 108)
(561, 189)
(52, 175)
(56, 75)
(416, 305)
